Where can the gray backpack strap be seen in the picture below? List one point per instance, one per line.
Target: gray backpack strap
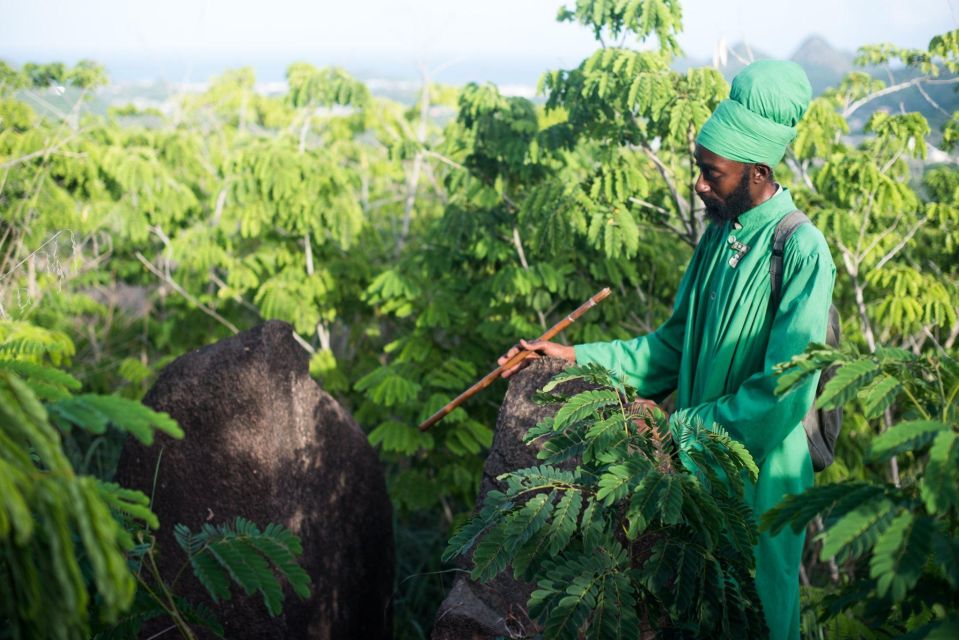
(784, 229)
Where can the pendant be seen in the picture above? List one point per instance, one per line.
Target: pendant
(740, 249)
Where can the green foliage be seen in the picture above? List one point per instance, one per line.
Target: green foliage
(408, 250)
(310, 86)
(642, 534)
(60, 541)
(247, 556)
(71, 550)
(903, 535)
(642, 18)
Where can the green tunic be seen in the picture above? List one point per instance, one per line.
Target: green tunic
(718, 349)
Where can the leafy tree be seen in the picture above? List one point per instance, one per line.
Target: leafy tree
(644, 533)
(899, 541)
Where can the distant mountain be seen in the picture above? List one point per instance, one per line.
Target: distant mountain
(824, 64)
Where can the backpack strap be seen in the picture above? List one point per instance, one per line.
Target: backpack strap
(784, 229)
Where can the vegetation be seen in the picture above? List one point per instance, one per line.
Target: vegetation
(896, 541)
(408, 252)
(76, 551)
(647, 532)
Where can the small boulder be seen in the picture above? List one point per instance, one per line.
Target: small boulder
(265, 442)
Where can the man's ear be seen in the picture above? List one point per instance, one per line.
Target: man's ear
(760, 173)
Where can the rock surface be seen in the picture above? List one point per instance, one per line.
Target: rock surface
(265, 442)
(474, 611)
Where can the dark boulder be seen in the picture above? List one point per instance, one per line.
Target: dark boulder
(265, 442)
(495, 609)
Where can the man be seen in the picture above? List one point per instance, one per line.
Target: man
(718, 348)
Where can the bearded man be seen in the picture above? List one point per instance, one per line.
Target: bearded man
(718, 349)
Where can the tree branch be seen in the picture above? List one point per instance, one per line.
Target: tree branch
(853, 107)
(518, 243)
(183, 292)
(892, 252)
(39, 153)
(681, 203)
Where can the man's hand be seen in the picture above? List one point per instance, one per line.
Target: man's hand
(545, 347)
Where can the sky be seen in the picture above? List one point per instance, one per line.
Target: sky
(404, 33)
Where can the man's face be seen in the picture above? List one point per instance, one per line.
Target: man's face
(723, 185)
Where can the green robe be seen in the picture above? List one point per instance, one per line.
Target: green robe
(718, 349)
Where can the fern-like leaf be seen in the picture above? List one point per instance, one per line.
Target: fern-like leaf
(940, 484)
(859, 529)
(47, 383)
(900, 553)
(242, 553)
(563, 525)
(582, 405)
(94, 412)
(880, 395)
(849, 379)
(590, 372)
(463, 540)
(905, 436)
(799, 510)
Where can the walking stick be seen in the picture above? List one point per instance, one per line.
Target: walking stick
(490, 377)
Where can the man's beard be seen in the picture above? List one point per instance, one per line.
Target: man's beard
(738, 202)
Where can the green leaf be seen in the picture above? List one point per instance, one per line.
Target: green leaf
(945, 552)
(940, 483)
(614, 484)
(463, 540)
(671, 500)
(880, 395)
(491, 555)
(905, 436)
(583, 405)
(859, 529)
(849, 379)
(246, 555)
(800, 509)
(526, 521)
(646, 501)
(565, 515)
(211, 576)
(899, 555)
(94, 412)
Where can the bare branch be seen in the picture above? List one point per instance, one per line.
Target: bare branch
(650, 205)
(879, 237)
(953, 334)
(666, 174)
(683, 234)
(518, 243)
(853, 107)
(39, 153)
(443, 159)
(236, 296)
(931, 102)
(892, 252)
(34, 253)
(183, 292)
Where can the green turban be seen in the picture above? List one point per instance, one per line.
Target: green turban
(758, 121)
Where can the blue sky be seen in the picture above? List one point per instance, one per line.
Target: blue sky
(407, 31)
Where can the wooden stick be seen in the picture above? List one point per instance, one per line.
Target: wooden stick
(490, 377)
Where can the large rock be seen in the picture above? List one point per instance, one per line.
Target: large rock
(264, 441)
(471, 610)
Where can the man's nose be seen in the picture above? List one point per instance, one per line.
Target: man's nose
(701, 186)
